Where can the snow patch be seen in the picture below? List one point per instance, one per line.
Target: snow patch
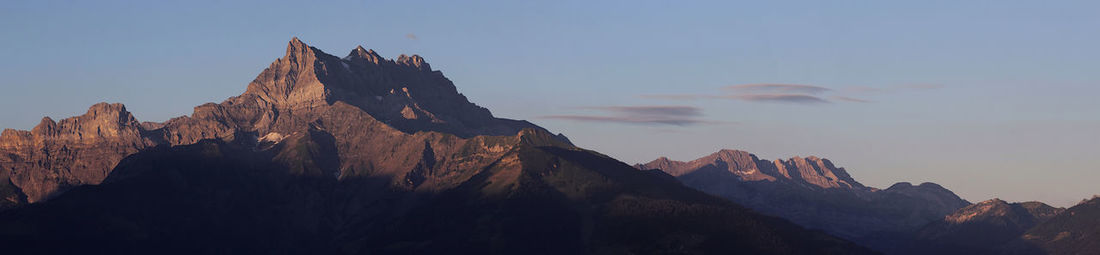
(272, 137)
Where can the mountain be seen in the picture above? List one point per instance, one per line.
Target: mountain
(403, 93)
(982, 228)
(1074, 231)
(354, 155)
(55, 156)
(814, 193)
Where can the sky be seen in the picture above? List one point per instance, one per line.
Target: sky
(987, 98)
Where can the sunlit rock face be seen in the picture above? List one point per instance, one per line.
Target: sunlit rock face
(55, 156)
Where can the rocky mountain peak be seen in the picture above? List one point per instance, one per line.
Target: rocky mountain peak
(818, 172)
(102, 120)
(55, 156)
(364, 54)
(297, 48)
(44, 126)
(414, 61)
(292, 81)
(810, 171)
(403, 93)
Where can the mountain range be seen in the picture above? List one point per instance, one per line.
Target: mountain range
(813, 192)
(366, 155)
(901, 219)
(353, 155)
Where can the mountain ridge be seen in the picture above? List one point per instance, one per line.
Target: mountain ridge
(816, 194)
(384, 157)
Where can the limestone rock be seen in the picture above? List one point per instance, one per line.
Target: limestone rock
(55, 156)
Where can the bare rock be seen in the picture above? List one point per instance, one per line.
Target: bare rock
(55, 156)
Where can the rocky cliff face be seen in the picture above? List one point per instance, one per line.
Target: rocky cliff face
(55, 156)
(815, 193)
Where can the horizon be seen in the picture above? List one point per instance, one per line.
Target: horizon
(865, 96)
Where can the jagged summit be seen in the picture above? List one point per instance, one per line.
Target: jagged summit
(101, 121)
(55, 156)
(405, 92)
(810, 171)
(414, 61)
(363, 54)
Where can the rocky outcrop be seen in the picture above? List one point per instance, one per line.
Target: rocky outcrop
(815, 193)
(55, 156)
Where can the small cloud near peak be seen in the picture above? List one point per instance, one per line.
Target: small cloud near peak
(654, 115)
(851, 99)
(673, 110)
(782, 98)
(629, 120)
(783, 88)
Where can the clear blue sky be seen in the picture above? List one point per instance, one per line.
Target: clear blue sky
(988, 98)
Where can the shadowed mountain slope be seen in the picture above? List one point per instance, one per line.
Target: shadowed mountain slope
(1074, 231)
(982, 228)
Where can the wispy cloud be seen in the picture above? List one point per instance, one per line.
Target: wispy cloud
(679, 96)
(641, 115)
(782, 98)
(412, 36)
(628, 120)
(661, 110)
(921, 86)
(851, 99)
(778, 98)
(890, 89)
(792, 93)
(778, 88)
